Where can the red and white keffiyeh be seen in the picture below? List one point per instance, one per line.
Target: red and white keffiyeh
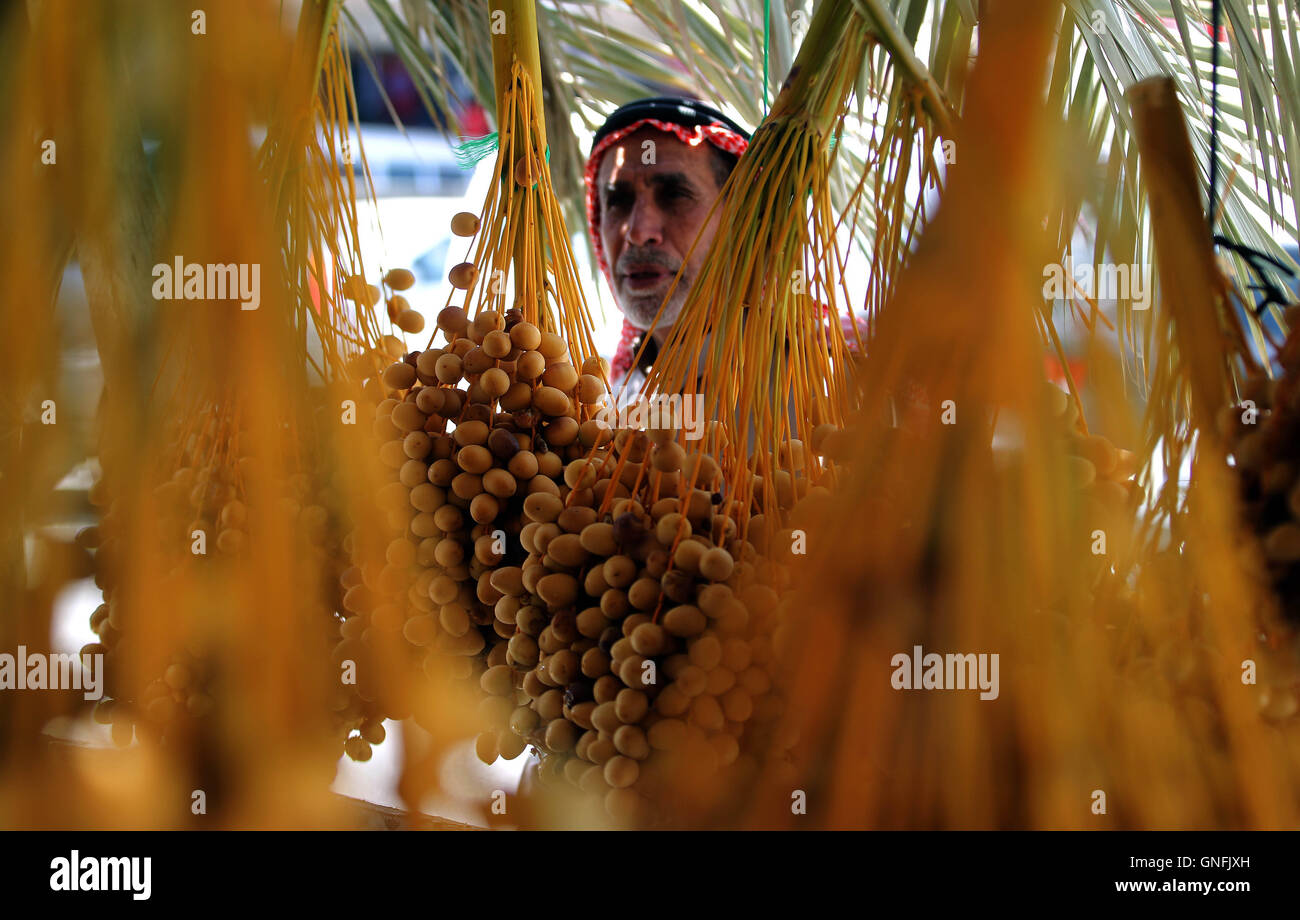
(718, 135)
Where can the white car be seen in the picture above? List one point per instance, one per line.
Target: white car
(417, 236)
(414, 231)
(419, 184)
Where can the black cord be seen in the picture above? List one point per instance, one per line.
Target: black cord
(1273, 295)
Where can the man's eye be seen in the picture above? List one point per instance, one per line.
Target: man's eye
(676, 196)
(615, 201)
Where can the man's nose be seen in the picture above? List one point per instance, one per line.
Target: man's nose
(645, 226)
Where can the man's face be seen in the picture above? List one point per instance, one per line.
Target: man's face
(650, 213)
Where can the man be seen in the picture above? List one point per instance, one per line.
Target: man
(655, 170)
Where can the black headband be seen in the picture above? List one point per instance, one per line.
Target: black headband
(689, 113)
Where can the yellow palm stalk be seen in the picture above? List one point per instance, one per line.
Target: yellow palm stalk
(219, 644)
(522, 256)
(517, 333)
(758, 337)
(1202, 591)
(934, 539)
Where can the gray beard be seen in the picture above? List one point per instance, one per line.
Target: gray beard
(640, 311)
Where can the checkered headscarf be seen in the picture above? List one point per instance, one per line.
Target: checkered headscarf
(689, 121)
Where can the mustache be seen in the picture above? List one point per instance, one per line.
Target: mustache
(645, 256)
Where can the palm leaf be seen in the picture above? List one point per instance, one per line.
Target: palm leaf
(606, 54)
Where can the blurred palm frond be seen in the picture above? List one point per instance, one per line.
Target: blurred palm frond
(607, 54)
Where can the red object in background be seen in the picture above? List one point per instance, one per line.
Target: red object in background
(312, 286)
(474, 121)
(1055, 373)
(1172, 24)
